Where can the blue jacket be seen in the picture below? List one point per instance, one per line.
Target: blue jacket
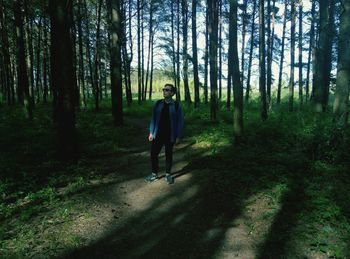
(176, 120)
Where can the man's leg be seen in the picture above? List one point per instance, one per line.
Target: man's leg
(155, 149)
(168, 161)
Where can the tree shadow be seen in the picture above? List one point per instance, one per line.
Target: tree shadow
(179, 225)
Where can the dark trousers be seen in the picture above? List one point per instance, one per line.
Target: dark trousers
(156, 147)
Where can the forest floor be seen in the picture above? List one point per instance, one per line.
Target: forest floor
(257, 200)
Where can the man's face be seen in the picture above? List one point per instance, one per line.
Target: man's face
(167, 91)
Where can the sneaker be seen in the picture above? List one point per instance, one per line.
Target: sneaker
(152, 177)
(169, 179)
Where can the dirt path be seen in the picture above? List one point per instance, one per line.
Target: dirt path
(122, 216)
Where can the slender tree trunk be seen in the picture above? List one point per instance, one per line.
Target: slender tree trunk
(310, 51)
(341, 100)
(81, 52)
(6, 56)
(151, 76)
(28, 28)
(262, 76)
(115, 26)
(129, 96)
(195, 55)
(63, 78)
(22, 75)
(142, 52)
(178, 92)
(220, 49)
(279, 87)
(206, 56)
(173, 42)
(45, 63)
(184, 53)
(268, 61)
(244, 24)
(38, 85)
(250, 52)
(213, 48)
(292, 56)
(88, 52)
(97, 58)
(300, 53)
(150, 37)
(139, 83)
(228, 101)
(234, 71)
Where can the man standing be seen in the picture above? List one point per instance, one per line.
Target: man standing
(166, 128)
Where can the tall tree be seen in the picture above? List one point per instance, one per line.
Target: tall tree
(300, 38)
(262, 65)
(341, 100)
(184, 49)
(206, 55)
(234, 72)
(213, 9)
(195, 55)
(22, 80)
(62, 77)
(97, 57)
(311, 50)
(252, 32)
(7, 80)
(220, 50)
(323, 55)
(279, 87)
(115, 27)
(139, 76)
(292, 56)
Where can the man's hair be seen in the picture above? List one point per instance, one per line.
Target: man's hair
(173, 88)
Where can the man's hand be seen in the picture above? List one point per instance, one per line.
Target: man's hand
(150, 137)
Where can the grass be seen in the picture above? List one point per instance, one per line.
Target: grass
(290, 158)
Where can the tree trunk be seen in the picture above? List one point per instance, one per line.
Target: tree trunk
(28, 28)
(142, 52)
(178, 92)
(244, 24)
(38, 85)
(115, 26)
(173, 42)
(262, 77)
(8, 83)
(234, 72)
(206, 55)
(251, 51)
(268, 61)
(97, 58)
(310, 51)
(184, 52)
(81, 54)
(22, 76)
(213, 48)
(279, 87)
(341, 100)
(139, 83)
(88, 52)
(323, 56)
(45, 63)
(195, 55)
(63, 78)
(220, 49)
(292, 56)
(150, 37)
(300, 53)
